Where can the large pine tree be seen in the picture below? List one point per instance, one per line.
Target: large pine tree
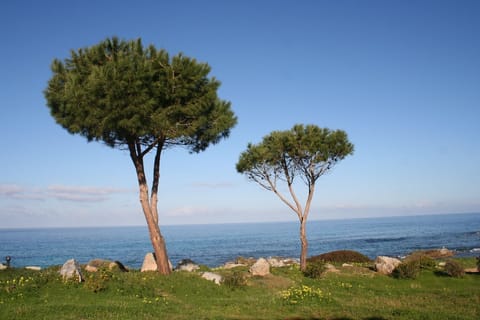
(141, 100)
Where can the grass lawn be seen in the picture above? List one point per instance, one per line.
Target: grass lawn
(352, 293)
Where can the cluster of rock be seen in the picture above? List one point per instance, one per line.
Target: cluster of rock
(71, 269)
(386, 265)
(257, 267)
(34, 268)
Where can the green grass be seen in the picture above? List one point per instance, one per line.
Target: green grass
(353, 293)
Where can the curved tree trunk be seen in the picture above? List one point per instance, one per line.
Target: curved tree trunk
(150, 211)
(158, 242)
(304, 243)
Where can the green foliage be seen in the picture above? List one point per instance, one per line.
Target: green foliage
(424, 261)
(307, 151)
(98, 281)
(407, 270)
(454, 269)
(235, 279)
(341, 256)
(121, 92)
(315, 269)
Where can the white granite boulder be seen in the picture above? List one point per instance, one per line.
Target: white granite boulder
(149, 263)
(2, 266)
(330, 268)
(260, 268)
(212, 277)
(386, 265)
(187, 265)
(276, 262)
(71, 270)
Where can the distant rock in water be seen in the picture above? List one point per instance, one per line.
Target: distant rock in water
(386, 265)
(71, 270)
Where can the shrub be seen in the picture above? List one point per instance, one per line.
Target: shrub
(98, 281)
(478, 264)
(341, 256)
(454, 269)
(236, 279)
(315, 269)
(424, 261)
(407, 270)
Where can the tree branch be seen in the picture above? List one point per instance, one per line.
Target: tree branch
(155, 180)
(150, 147)
(291, 206)
(289, 179)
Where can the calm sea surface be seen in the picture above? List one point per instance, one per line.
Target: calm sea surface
(213, 245)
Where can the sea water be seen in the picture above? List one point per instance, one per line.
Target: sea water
(215, 244)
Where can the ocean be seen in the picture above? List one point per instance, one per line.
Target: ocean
(215, 244)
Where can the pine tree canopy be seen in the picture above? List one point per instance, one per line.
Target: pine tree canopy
(306, 151)
(121, 92)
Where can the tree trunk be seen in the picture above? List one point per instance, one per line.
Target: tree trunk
(304, 243)
(158, 242)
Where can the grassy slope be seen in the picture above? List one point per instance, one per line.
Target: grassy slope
(356, 293)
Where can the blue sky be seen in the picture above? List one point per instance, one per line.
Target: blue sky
(402, 78)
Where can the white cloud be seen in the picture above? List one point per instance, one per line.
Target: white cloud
(81, 193)
(60, 192)
(9, 190)
(13, 191)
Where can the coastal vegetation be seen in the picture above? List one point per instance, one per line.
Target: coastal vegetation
(352, 292)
